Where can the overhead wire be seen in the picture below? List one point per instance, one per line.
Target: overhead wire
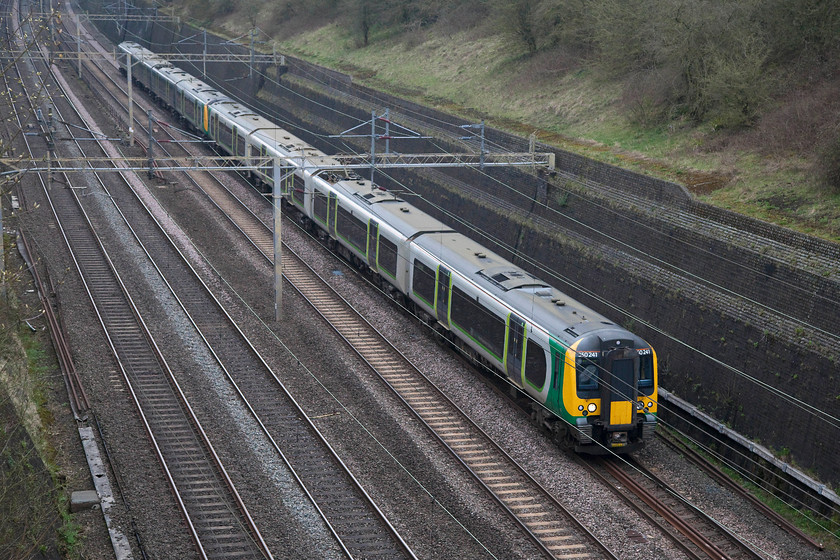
(346, 146)
(467, 355)
(825, 416)
(600, 206)
(760, 477)
(622, 243)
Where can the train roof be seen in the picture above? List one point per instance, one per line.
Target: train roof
(392, 210)
(247, 121)
(284, 142)
(143, 54)
(544, 305)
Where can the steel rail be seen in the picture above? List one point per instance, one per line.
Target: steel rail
(79, 403)
(722, 479)
(686, 518)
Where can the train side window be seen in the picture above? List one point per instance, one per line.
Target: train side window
(239, 149)
(423, 283)
(269, 168)
(535, 364)
(387, 256)
(352, 230)
(478, 322)
(320, 206)
(297, 189)
(225, 136)
(587, 377)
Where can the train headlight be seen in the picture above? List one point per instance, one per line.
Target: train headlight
(650, 404)
(592, 407)
(580, 407)
(639, 405)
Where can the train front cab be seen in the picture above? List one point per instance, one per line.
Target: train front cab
(609, 393)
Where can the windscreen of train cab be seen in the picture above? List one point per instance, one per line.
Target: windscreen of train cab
(622, 374)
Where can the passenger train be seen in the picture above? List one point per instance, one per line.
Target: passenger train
(592, 382)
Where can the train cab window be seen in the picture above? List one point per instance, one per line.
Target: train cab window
(319, 206)
(646, 373)
(352, 230)
(387, 256)
(622, 380)
(423, 283)
(587, 377)
(478, 322)
(535, 364)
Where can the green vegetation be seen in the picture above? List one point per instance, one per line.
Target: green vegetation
(34, 516)
(736, 100)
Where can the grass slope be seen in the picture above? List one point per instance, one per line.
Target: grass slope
(474, 73)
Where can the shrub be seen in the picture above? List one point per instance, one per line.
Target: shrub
(827, 166)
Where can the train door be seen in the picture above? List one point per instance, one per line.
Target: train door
(442, 300)
(373, 238)
(333, 213)
(619, 393)
(558, 366)
(515, 344)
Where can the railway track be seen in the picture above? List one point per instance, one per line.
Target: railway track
(451, 432)
(689, 528)
(358, 525)
(214, 513)
(724, 480)
(550, 524)
(463, 443)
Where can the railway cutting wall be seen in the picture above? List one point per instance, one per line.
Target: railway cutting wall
(632, 247)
